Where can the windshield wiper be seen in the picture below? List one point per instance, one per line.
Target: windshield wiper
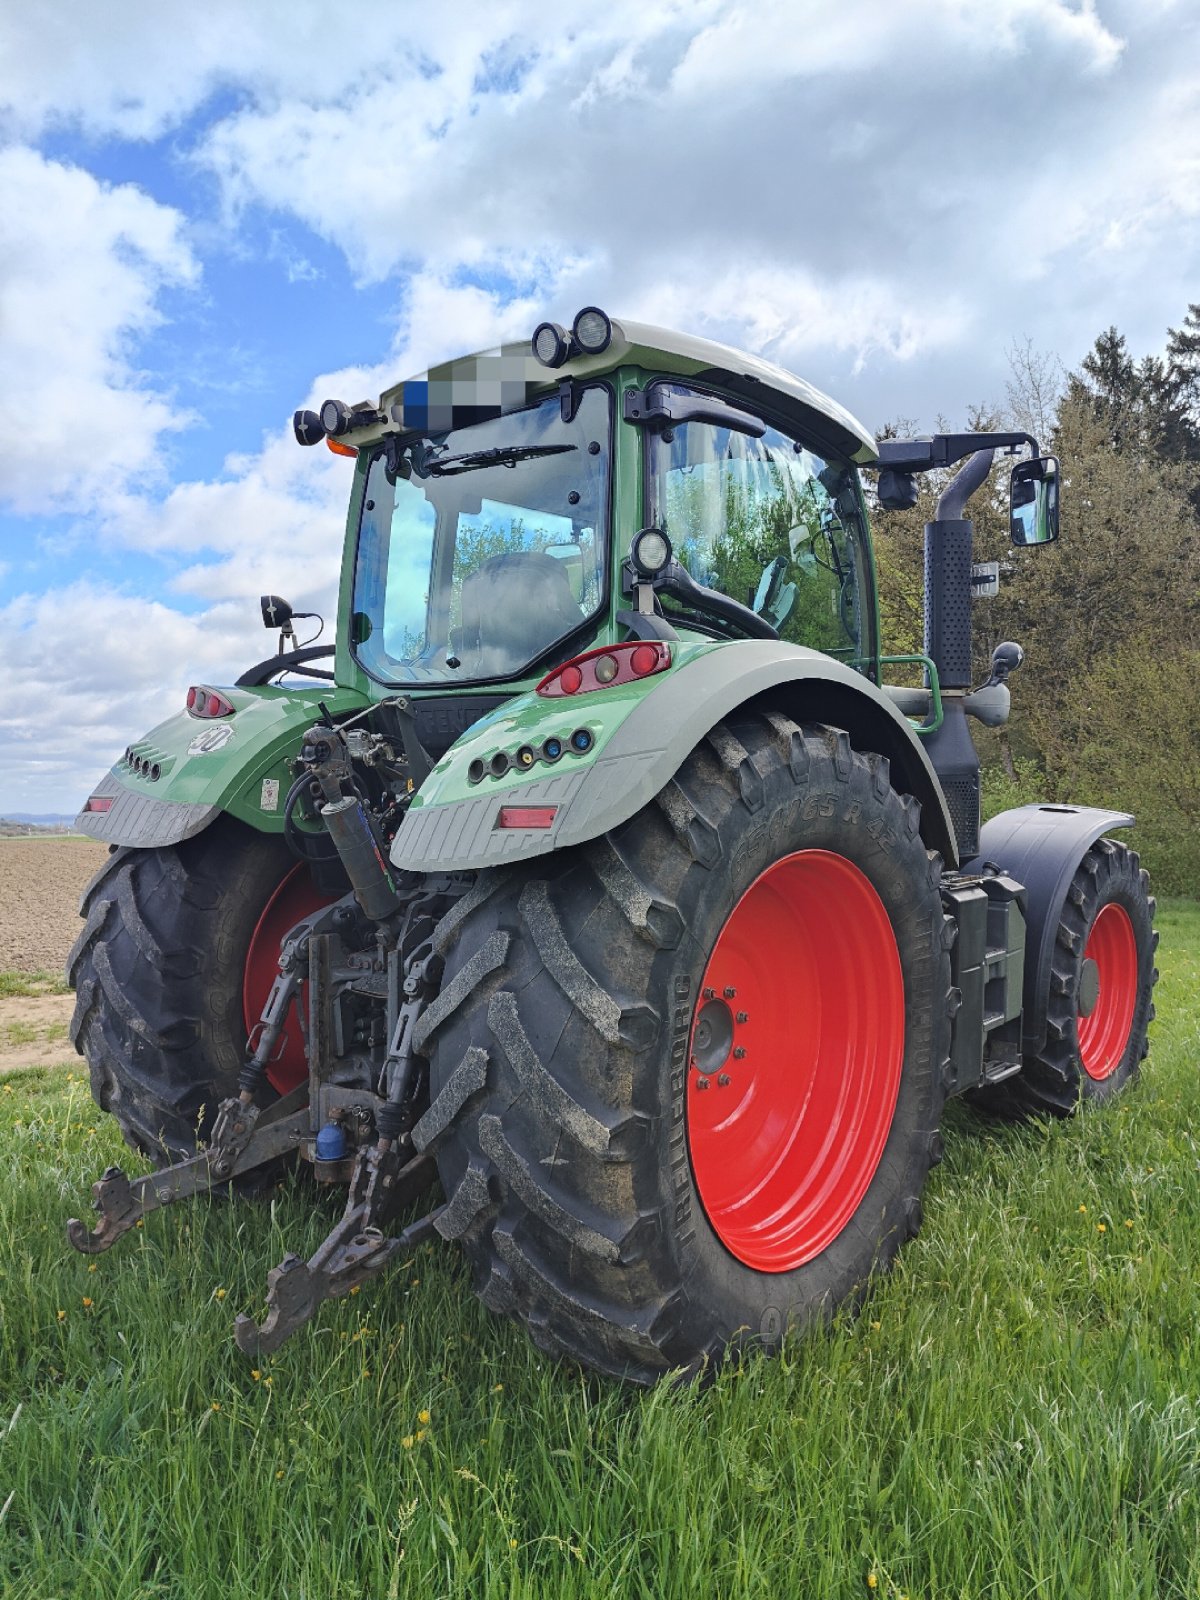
(504, 455)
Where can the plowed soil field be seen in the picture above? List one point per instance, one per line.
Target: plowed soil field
(41, 880)
(40, 884)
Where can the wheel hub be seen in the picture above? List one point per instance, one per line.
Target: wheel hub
(1089, 987)
(712, 1040)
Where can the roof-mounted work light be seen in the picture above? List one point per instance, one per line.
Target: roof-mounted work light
(550, 344)
(335, 418)
(592, 331)
(307, 427)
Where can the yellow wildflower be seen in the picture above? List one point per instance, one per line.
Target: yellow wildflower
(255, 1374)
(422, 1417)
(87, 1303)
(91, 1266)
(1128, 1222)
(267, 1382)
(356, 1288)
(1083, 1211)
(62, 1316)
(218, 1294)
(420, 1434)
(872, 1581)
(279, 1474)
(407, 1441)
(496, 1388)
(216, 1405)
(1100, 1228)
(512, 1544)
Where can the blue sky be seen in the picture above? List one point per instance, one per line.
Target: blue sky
(214, 215)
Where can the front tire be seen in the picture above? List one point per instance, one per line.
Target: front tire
(597, 1198)
(1102, 979)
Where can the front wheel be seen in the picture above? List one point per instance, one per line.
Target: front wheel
(686, 1081)
(1102, 979)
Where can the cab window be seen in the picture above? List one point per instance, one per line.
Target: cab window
(769, 522)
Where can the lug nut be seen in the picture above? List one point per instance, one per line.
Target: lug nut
(739, 1053)
(708, 994)
(742, 1016)
(723, 1080)
(702, 1083)
(729, 993)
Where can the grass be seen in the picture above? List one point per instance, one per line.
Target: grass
(27, 985)
(1015, 1413)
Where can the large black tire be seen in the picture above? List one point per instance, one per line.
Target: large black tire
(158, 972)
(559, 1049)
(1054, 1080)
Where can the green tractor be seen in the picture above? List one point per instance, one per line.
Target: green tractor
(603, 889)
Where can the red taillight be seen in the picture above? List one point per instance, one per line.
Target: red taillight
(606, 668)
(526, 816)
(99, 802)
(206, 703)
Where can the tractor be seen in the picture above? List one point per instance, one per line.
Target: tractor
(603, 908)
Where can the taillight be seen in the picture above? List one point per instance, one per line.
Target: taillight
(611, 665)
(206, 703)
(99, 802)
(526, 816)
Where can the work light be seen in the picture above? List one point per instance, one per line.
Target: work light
(592, 331)
(550, 344)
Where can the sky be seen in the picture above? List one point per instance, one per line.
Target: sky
(211, 215)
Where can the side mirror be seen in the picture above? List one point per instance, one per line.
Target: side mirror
(1033, 514)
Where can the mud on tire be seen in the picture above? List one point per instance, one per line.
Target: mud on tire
(157, 973)
(559, 1057)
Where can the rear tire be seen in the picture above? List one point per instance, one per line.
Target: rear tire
(563, 1070)
(1102, 979)
(158, 977)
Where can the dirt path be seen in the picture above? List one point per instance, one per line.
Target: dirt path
(40, 884)
(33, 1031)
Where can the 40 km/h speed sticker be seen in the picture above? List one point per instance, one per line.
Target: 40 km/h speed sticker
(211, 739)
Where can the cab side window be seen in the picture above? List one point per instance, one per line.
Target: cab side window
(770, 523)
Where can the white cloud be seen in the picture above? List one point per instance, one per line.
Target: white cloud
(82, 267)
(87, 669)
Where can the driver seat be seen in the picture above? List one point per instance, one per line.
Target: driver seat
(514, 606)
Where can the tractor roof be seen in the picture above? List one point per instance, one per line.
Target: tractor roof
(498, 380)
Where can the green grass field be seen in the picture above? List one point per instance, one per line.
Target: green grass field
(1015, 1413)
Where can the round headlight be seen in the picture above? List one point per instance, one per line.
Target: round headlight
(550, 344)
(650, 551)
(592, 330)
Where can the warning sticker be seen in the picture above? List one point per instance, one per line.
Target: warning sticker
(270, 795)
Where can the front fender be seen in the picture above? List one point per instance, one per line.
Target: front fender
(1041, 846)
(642, 734)
(237, 764)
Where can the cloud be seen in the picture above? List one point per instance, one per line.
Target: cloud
(86, 669)
(82, 269)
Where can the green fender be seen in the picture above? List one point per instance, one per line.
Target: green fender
(641, 733)
(239, 764)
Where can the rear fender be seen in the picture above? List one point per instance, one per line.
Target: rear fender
(641, 734)
(1041, 846)
(239, 764)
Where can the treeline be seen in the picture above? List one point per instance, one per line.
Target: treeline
(1106, 709)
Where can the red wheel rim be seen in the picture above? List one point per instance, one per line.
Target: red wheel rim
(296, 897)
(807, 971)
(1104, 1032)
